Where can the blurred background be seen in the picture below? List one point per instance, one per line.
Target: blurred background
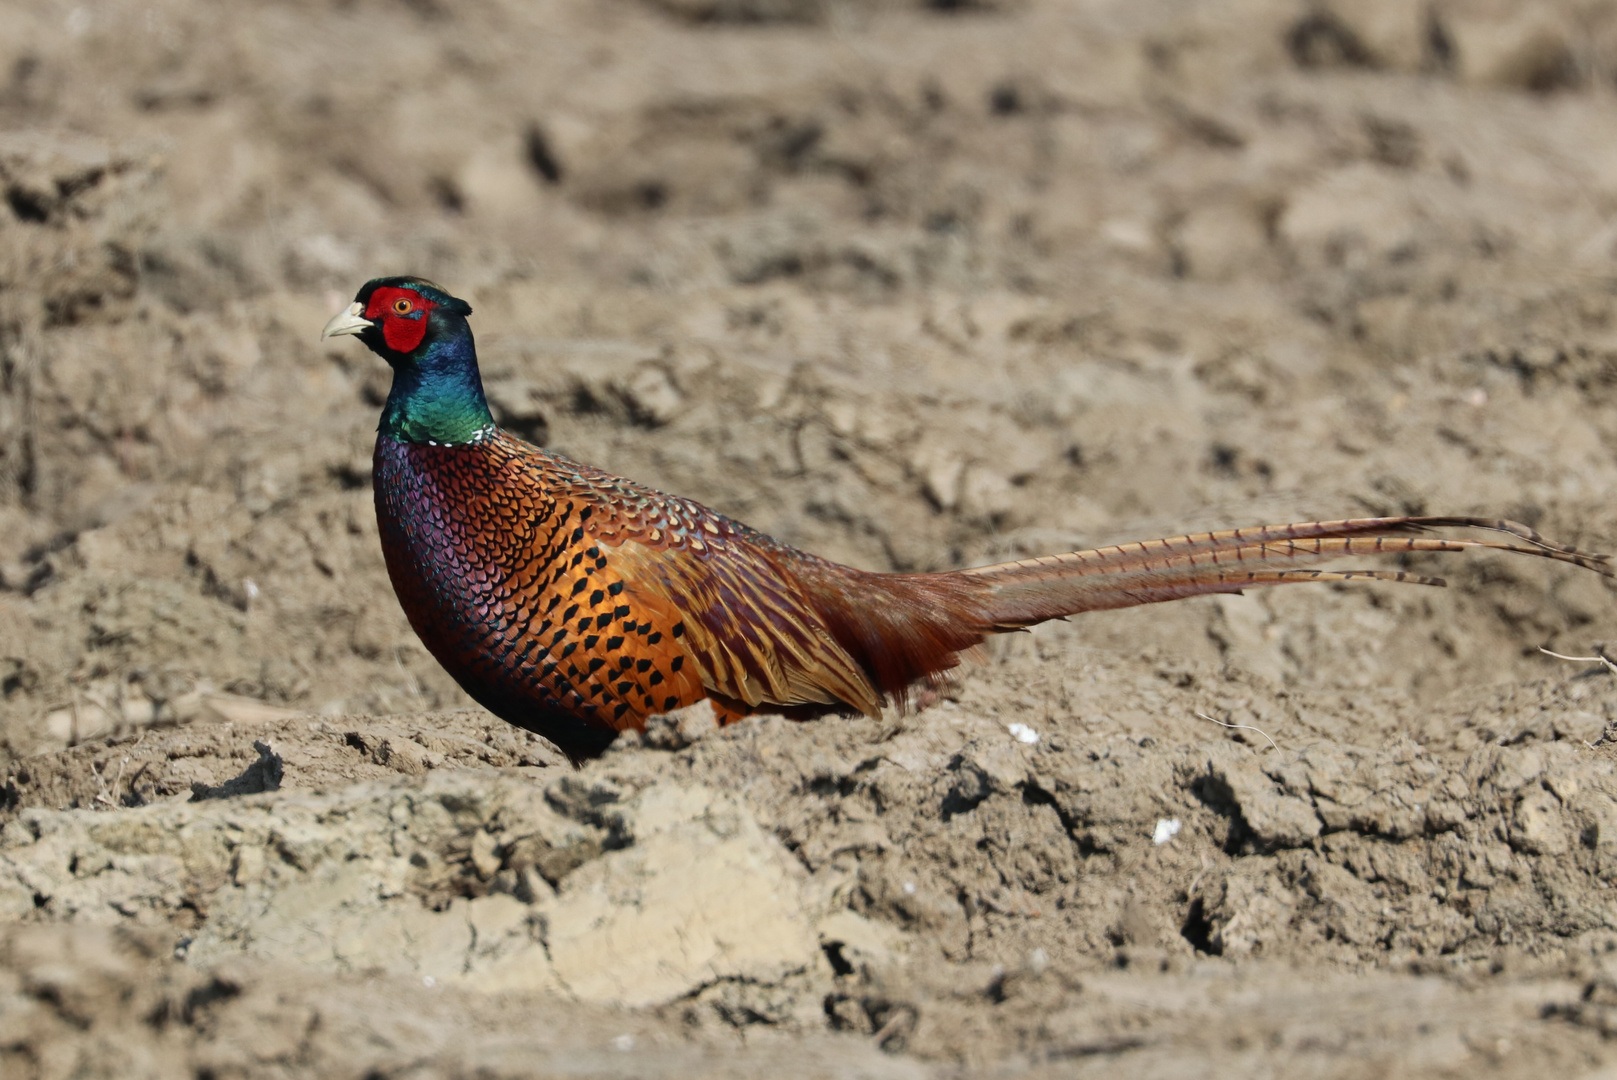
(908, 283)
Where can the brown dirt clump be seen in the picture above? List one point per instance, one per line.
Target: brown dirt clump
(913, 285)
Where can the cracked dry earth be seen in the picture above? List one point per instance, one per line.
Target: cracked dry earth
(911, 284)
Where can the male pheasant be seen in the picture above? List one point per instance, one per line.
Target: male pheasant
(576, 604)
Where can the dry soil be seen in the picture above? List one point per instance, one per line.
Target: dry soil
(913, 285)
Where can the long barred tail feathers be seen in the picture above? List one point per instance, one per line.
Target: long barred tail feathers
(1033, 590)
(903, 628)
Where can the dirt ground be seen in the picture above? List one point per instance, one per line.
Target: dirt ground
(910, 284)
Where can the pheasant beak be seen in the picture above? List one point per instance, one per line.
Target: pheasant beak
(351, 320)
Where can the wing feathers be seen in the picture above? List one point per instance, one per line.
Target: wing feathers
(752, 633)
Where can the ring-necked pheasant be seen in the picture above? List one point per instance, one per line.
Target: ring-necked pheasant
(575, 603)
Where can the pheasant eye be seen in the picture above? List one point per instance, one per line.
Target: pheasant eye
(401, 306)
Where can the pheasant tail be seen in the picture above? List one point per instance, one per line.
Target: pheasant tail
(909, 627)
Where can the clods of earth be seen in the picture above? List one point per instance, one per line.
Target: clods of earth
(912, 285)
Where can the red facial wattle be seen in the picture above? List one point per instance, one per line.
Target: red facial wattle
(402, 314)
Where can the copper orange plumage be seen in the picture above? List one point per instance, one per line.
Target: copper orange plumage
(576, 604)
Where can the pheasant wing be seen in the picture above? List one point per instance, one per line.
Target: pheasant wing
(741, 618)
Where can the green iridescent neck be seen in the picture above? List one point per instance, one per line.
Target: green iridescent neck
(437, 394)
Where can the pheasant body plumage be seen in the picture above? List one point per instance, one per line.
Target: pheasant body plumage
(548, 589)
(576, 604)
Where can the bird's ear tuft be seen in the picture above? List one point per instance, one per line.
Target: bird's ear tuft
(455, 304)
(440, 296)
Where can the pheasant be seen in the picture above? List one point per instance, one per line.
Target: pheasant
(575, 603)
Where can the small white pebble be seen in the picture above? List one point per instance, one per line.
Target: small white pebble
(250, 587)
(909, 888)
(1476, 397)
(1167, 829)
(1038, 961)
(625, 1043)
(428, 981)
(1022, 733)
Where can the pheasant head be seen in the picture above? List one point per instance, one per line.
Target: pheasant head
(421, 331)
